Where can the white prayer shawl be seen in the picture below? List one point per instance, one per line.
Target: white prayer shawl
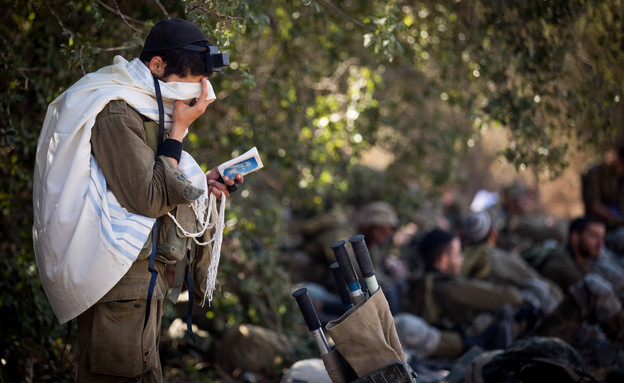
(84, 240)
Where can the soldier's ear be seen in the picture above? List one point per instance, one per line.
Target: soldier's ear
(494, 234)
(442, 261)
(157, 66)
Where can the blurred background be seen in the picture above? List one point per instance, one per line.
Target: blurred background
(417, 103)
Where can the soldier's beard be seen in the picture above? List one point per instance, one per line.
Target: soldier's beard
(585, 251)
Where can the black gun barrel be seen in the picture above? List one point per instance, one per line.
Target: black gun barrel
(348, 271)
(363, 257)
(341, 286)
(311, 318)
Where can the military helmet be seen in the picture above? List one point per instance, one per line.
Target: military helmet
(537, 359)
(307, 371)
(378, 213)
(514, 191)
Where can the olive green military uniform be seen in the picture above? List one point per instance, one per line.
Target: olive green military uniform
(571, 318)
(521, 232)
(110, 333)
(449, 301)
(518, 228)
(500, 267)
(559, 266)
(495, 265)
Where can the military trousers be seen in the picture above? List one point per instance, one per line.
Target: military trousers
(114, 344)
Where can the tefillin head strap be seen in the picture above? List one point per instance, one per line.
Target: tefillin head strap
(161, 111)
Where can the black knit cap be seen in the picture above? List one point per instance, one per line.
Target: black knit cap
(174, 33)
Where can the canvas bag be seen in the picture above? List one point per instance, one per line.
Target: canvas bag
(366, 336)
(337, 368)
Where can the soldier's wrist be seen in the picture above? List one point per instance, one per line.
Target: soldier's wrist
(171, 148)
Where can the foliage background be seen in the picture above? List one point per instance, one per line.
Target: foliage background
(348, 101)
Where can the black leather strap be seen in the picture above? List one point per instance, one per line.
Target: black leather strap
(170, 148)
(161, 112)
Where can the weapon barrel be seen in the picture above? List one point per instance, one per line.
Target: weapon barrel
(348, 271)
(362, 255)
(311, 318)
(341, 286)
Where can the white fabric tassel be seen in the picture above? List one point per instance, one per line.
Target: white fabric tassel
(209, 218)
(211, 278)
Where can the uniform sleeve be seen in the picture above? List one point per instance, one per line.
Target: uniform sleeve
(561, 270)
(537, 231)
(477, 262)
(509, 268)
(142, 183)
(481, 295)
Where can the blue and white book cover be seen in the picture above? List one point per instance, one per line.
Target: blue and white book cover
(244, 164)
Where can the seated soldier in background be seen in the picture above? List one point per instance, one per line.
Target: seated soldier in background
(483, 260)
(603, 197)
(422, 342)
(449, 301)
(590, 317)
(521, 229)
(581, 255)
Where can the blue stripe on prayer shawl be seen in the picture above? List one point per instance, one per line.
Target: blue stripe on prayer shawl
(122, 245)
(99, 183)
(127, 240)
(126, 230)
(110, 236)
(136, 221)
(120, 228)
(131, 255)
(153, 114)
(119, 212)
(148, 111)
(138, 76)
(131, 250)
(91, 198)
(190, 171)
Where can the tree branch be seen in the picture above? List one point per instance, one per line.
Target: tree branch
(122, 48)
(343, 14)
(214, 13)
(117, 12)
(162, 8)
(58, 19)
(81, 61)
(123, 17)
